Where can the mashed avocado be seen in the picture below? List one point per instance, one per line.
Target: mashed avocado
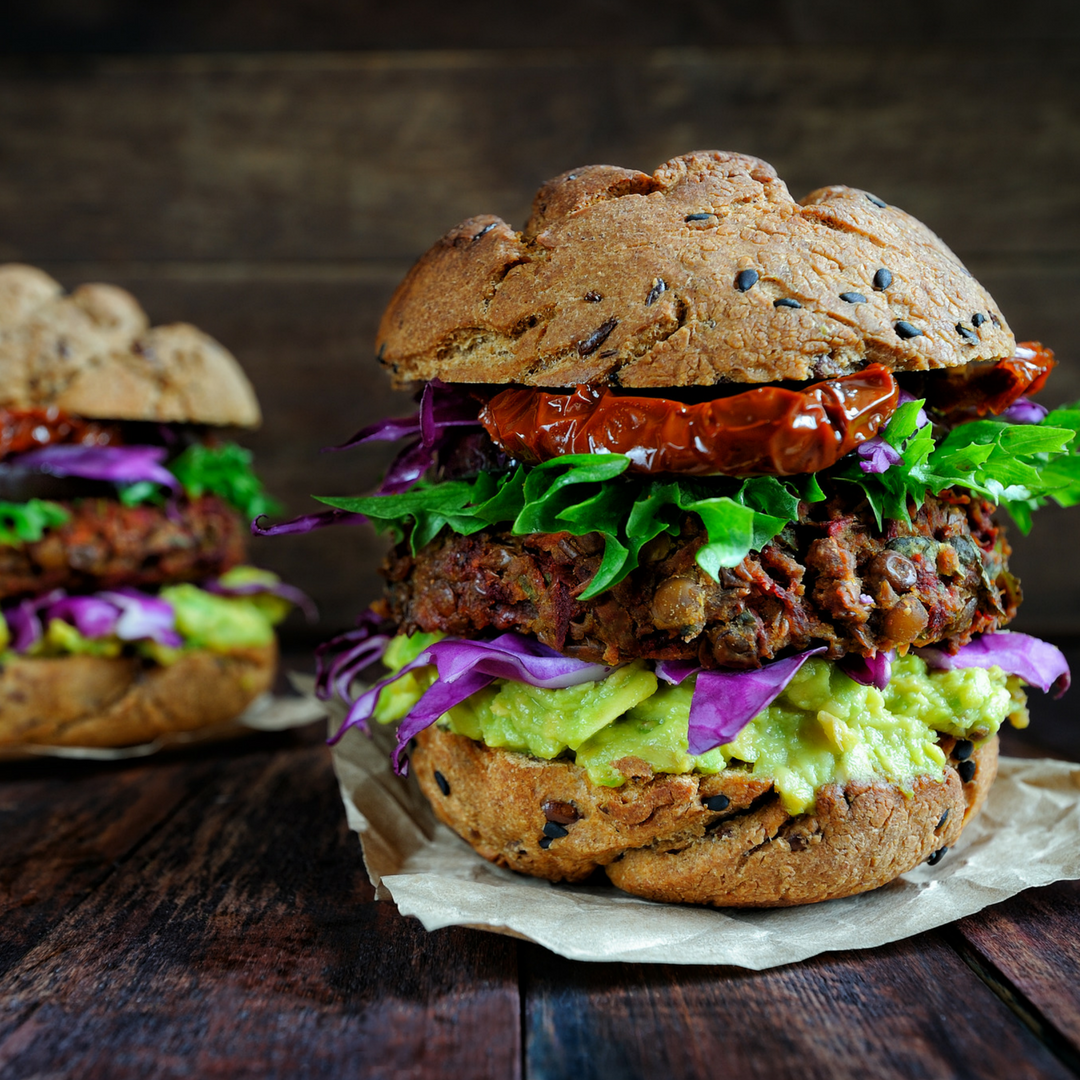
(220, 623)
(824, 728)
(203, 620)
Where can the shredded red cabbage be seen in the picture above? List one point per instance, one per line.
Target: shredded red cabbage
(1037, 662)
(463, 667)
(129, 614)
(92, 616)
(441, 407)
(339, 661)
(306, 523)
(1024, 411)
(873, 670)
(116, 464)
(878, 455)
(23, 620)
(724, 702)
(143, 617)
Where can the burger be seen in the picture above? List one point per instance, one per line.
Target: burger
(126, 608)
(698, 580)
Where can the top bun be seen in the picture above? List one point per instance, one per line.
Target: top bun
(92, 353)
(705, 272)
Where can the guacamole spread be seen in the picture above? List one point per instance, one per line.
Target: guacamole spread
(823, 728)
(203, 620)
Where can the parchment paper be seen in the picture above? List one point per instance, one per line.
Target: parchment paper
(1028, 834)
(266, 713)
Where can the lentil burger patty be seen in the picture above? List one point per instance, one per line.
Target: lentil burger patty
(105, 544)
(833, 577)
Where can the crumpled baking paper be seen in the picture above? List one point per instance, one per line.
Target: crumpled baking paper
(1028, 834)
(268, 712)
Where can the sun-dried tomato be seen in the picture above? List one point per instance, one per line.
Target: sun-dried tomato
(27, 429)
(768, 431)
(981, 389)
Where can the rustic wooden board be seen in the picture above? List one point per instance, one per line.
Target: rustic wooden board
(909, 1010)
(1030, 946)
(358, 156)
(242, 940)
(63, 829)
(599, 25)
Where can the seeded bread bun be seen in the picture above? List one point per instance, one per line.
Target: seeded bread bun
(705, 272)
(93, 354)
(656, 837)
(96, 701)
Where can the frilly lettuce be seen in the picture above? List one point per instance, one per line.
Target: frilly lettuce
(584, 493)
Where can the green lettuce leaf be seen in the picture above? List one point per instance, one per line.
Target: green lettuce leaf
(223, 470)
(27, 522)
(1017, 466)
(587, 493)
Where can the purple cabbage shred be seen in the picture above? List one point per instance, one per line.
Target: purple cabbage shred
(873, 670)
(724, 702)
(462, 668)
(306, 523)
(128, 614)
(878, 455)
(1024, 411)
(442, 408)
(1037, 662)
(116, 464)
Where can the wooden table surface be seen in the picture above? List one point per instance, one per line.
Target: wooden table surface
(207, 914)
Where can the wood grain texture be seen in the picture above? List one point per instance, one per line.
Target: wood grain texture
(1032, 943)
(910, 1010)
(341, 156)
(63, 828)
(242, 940)
(192, 25)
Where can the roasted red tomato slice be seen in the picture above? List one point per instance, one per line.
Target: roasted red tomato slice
(768, 431)
(989, 389)
(27, 429)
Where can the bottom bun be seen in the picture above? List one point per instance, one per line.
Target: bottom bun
(655, 837)
(99, 701)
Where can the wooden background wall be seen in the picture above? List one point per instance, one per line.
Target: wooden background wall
(268, 171)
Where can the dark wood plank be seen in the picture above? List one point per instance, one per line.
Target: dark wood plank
(1031, 945)
(242, 940)
(64, 827)
(339, 157)
(909, 1010)
(598, 24)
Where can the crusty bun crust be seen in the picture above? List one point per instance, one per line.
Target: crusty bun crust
(92, 353)
(94, 701)
(655, 838)
(673, 280)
